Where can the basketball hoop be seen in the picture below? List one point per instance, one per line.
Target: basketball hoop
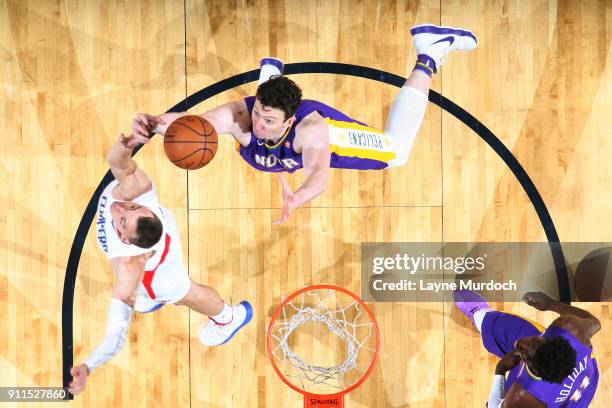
(323, 342)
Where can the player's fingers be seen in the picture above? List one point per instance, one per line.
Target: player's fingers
(142, 129)
(142, 139)
(281, 219)
(135, 125)
(286, 212)
(143, 118)
(139, 130)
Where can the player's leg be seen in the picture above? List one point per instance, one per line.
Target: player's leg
(203, 299)
(472, 305)
(499, 331)
(224, 319)
(432, 43)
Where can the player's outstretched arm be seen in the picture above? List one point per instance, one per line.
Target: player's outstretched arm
(128, 271)
(119, 316)
(226, 118)
(133, 182)
(541, 301)
(316, 159)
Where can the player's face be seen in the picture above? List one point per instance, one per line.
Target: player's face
(269, 123)
(125, 218)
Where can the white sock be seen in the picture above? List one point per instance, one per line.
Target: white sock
(266, 72)
(479, 317)
(225, 316)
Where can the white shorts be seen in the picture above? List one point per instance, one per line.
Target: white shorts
(170, 294)
(167, 280)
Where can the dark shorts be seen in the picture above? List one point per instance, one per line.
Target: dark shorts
(501, 330)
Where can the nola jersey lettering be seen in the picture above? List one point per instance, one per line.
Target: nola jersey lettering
(272, 162)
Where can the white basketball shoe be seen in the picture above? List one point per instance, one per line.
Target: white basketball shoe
(436, 41)
(270, 67)
(215, 334)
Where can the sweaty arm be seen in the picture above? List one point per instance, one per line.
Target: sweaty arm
(314, 136)
(583, 319)
(230, 118)
(579, 322)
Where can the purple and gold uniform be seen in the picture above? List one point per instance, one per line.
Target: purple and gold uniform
(499, 333)
(353, 144)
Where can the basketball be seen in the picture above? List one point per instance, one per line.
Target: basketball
(190, 142)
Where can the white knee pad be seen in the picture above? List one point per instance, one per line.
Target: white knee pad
(404, 121)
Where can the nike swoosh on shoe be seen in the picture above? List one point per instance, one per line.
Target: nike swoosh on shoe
(450, 39)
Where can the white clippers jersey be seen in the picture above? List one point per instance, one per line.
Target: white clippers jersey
(165, 278)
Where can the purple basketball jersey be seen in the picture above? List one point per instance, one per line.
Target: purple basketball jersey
(577, 390)
(500, 331)
(282, 157)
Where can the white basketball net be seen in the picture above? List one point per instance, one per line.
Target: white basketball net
(347, 320)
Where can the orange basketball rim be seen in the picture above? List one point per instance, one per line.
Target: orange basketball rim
(346, 320)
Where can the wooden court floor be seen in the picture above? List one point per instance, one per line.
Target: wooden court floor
(75, 72)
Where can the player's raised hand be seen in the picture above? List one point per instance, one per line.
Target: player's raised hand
(289, 201)
(144, 124)
(508, 362)
(539, 300)
(79, 379)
